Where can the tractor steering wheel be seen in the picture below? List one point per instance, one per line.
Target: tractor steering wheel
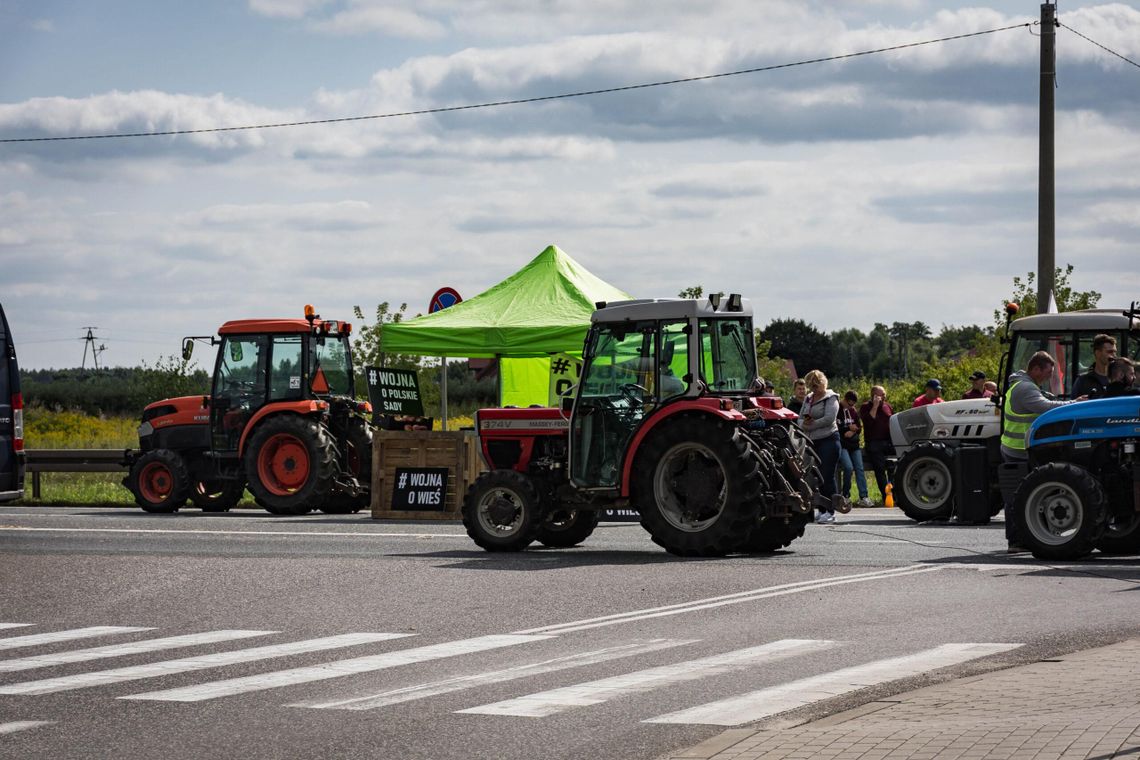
(634, 392)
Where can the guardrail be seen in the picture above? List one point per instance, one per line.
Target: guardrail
(74, 460)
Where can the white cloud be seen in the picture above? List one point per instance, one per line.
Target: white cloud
(285, 8)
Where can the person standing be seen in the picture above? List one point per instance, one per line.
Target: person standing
(817, 418)
(1121, 379)
(799, 393)
(1093, 382)
(931, 394)
(978, 386)
(1024, 402)
(875, 415)
(850, 454)
(991, 387)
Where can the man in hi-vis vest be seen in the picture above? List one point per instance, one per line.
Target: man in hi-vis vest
(1024, 402)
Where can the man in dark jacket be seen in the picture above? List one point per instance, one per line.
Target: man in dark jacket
(1121, 379)
(1093, 382)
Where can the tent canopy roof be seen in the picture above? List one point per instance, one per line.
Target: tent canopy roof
(541, 309)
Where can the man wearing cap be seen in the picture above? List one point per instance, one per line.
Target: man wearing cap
(979, 386)
(931, 395)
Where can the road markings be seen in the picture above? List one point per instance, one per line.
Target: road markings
(122, 650)
(449, 685)
(21, 529)
(35, 639)
(335, 669)
(14, 625)
(753, 706)
(545, 703)
(22, 725)
(737, 598)
(168, 667)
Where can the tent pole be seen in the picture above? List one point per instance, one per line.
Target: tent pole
(443, 391)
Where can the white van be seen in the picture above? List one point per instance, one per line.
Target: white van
(11, 418)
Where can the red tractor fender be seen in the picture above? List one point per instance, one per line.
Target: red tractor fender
(303, 408)
(716, 407)
(772, 409)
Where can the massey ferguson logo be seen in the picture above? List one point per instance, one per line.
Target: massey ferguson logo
(524, 424)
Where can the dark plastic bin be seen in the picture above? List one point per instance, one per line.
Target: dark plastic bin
(972, 495)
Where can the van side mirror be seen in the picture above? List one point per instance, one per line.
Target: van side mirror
(187, 349)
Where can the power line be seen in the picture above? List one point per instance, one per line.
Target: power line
(519, 101)
(1102, 47)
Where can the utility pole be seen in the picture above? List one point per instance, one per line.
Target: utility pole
(89, 341)
(1046, 201)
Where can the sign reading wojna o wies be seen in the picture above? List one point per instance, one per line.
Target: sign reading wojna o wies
(394, 391)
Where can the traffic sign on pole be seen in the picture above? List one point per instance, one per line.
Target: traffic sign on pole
(443, 298)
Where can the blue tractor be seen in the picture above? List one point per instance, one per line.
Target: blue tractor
(1080, 490)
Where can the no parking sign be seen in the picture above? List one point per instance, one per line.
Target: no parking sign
(443, 298)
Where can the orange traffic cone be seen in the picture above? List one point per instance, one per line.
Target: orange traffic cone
(889, 500)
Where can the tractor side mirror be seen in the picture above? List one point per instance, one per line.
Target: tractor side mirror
(187, 349)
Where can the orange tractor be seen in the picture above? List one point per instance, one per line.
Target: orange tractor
(281, 420)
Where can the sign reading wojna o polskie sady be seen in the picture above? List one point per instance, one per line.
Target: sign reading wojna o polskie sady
(394, 391)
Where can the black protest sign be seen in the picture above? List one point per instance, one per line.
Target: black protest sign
(420, 489)
(394, 391)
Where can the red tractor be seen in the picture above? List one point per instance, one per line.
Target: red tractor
(281, 419)
(665, 420)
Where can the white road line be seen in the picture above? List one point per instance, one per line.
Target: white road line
(14, 625)
(19, 529)
(764, 703)
(737, 598)
(168, 667)
(22, 725)
(336, 669)
(35, 639)
(122, 650)
(546, 703)
(447, 686)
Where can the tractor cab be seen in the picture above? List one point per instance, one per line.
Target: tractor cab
(643, 356)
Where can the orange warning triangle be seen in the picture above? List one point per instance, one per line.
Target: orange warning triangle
(320, 382)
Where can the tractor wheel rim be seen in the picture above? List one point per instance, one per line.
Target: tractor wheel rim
(927, 483)
(681, 466)
(156, 482)
(283, 464)
(500, 511)
(1053, 513)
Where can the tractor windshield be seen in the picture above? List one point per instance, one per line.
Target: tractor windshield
(330, 366)
(728, 354)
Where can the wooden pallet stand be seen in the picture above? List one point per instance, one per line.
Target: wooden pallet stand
(392, 449)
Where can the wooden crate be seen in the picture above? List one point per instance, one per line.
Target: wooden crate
(456, 450)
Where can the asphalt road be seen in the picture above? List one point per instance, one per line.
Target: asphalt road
(458, 653)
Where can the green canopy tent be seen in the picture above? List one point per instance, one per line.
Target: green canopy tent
(540, 310)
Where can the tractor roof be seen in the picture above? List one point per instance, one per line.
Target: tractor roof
(274, 326)
(669, 308)
(1106, 320)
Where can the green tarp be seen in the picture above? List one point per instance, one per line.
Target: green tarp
(542, 309)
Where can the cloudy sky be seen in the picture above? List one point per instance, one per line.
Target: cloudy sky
(899, 186)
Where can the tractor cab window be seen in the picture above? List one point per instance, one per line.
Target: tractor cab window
(330, 366)
(617, 384)
(239, 388)
(285, 377)
(1060, 346)
(728, 354)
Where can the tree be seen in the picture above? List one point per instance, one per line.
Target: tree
(366, 348)
(801, 342)
(850, 354)
(1025, 295)
(696, 291)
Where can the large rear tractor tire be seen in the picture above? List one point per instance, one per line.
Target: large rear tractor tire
(501, 511)
(697, 486)
(217, 495)
(773, 534)
(924, 483)
(160, 481)
(357, 462)
(1061, 508)
(290, 462)
(567, 527)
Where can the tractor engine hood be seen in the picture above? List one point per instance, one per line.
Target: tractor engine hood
(968, 418)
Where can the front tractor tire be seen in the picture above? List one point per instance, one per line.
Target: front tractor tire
(160, 481)
(924, 483)
(290, 462)
(501, 511)
(1061, 508)
(697, 487)
(563, 528)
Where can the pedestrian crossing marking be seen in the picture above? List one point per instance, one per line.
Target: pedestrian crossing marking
(203, 662)
(546, 703)
(123, 650)
(746, 708)
(459, 683)
(35, 639)
(22, 725)
(335, 669)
